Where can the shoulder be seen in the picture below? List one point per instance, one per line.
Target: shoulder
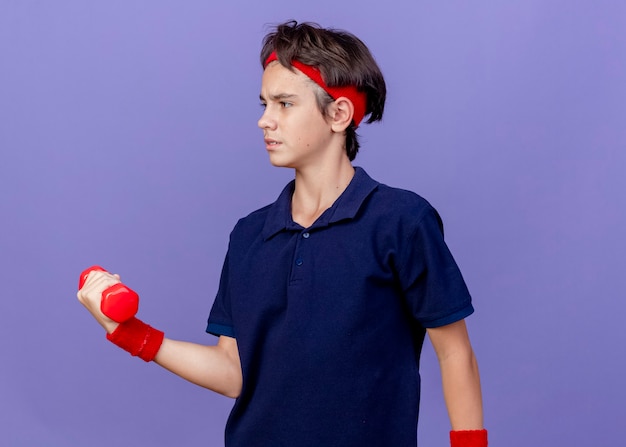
(247, 232)
(401, 204)
(403, 197)
(253, 222)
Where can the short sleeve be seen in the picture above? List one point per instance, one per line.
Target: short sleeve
(220, 318)
(432, 284)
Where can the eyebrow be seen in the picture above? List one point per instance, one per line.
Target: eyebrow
(280, 96)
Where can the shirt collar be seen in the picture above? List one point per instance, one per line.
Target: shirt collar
(345, 207)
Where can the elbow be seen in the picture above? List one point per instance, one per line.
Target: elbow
(233, 384)
(233, 391)
(233, 395)
(463, 359)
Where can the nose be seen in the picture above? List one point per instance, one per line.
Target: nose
(266, 121)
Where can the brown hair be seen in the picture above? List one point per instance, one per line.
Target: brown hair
(342, 58)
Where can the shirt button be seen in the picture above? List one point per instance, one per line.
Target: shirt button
(299, 262)
(305, 235)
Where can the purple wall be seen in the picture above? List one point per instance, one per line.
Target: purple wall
(128, 138)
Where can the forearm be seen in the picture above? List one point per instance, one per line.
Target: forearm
(461, 389)
(214, 367)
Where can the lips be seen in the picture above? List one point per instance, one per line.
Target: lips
(270, 143)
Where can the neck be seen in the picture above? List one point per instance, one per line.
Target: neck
(317, 188)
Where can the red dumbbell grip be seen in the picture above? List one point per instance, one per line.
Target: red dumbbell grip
(119, 303)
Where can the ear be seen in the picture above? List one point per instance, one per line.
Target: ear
(342, 113)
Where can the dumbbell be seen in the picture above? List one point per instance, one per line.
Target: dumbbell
(119, 303)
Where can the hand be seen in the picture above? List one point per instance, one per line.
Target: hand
(90, 296)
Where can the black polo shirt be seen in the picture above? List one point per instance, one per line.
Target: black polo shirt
(330, 319)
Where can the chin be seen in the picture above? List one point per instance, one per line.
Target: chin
(280, 163)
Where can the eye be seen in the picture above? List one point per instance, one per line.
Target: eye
(285, 104)
(263, 105)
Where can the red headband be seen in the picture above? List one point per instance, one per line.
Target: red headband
(357, 98)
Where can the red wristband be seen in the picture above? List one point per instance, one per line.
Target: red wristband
(137, 338)
(468, 438)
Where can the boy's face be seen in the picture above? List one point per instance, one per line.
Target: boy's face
(296, 132)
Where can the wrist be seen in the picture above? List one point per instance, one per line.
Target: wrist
(110, 326)
(468, 438)
(137, 338)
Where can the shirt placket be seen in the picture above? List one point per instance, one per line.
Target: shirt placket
(301, 262)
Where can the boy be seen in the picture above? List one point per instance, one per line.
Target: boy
(325, 295)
